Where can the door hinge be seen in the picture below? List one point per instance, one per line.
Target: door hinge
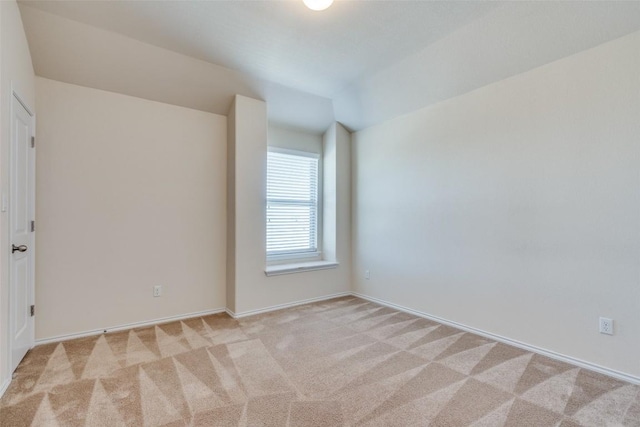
(33, 141)
(33, 310)
(33, 226)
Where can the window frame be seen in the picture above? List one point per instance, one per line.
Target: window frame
(299, 256)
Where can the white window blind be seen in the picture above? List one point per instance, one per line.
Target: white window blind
(292, 202)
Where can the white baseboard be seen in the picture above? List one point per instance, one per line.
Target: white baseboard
(549, 353)
(5, 386)
(287, 305)
(127, 326)
(152, 322)
(552, 354)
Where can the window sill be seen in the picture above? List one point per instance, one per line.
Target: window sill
(299, 267)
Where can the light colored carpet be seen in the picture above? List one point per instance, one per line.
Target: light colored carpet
(340, 362)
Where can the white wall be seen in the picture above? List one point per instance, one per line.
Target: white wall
(230, 284)
(130, 194)
(253, 290)
(294, 139)
(514, 208)
(16, 71)
(65, 50)
(336, 197)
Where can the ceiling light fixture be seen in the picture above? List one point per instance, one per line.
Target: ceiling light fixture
(317, 4)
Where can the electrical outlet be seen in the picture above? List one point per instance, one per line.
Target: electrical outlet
(157, 291)
(606, 326)
(367, 275)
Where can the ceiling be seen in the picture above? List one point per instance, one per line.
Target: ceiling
(358, 62)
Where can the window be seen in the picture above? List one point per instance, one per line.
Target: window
(292, 204)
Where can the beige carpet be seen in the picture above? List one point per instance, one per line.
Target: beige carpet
(340, 362)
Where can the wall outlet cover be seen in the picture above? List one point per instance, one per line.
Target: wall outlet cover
(606, 326)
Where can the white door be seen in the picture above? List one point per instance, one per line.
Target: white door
(21, 213)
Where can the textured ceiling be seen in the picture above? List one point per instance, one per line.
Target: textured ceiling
(359, 62)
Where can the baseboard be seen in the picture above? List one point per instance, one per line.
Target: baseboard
(5, 386)
(552, 354)
(127, 326)
(549, 353)
(186, 316)
(287, 305)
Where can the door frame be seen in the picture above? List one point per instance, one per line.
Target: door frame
(7, 241)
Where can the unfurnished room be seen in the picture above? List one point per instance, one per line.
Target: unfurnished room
(296, 213)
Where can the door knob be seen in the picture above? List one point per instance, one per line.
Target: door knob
(21, 248)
